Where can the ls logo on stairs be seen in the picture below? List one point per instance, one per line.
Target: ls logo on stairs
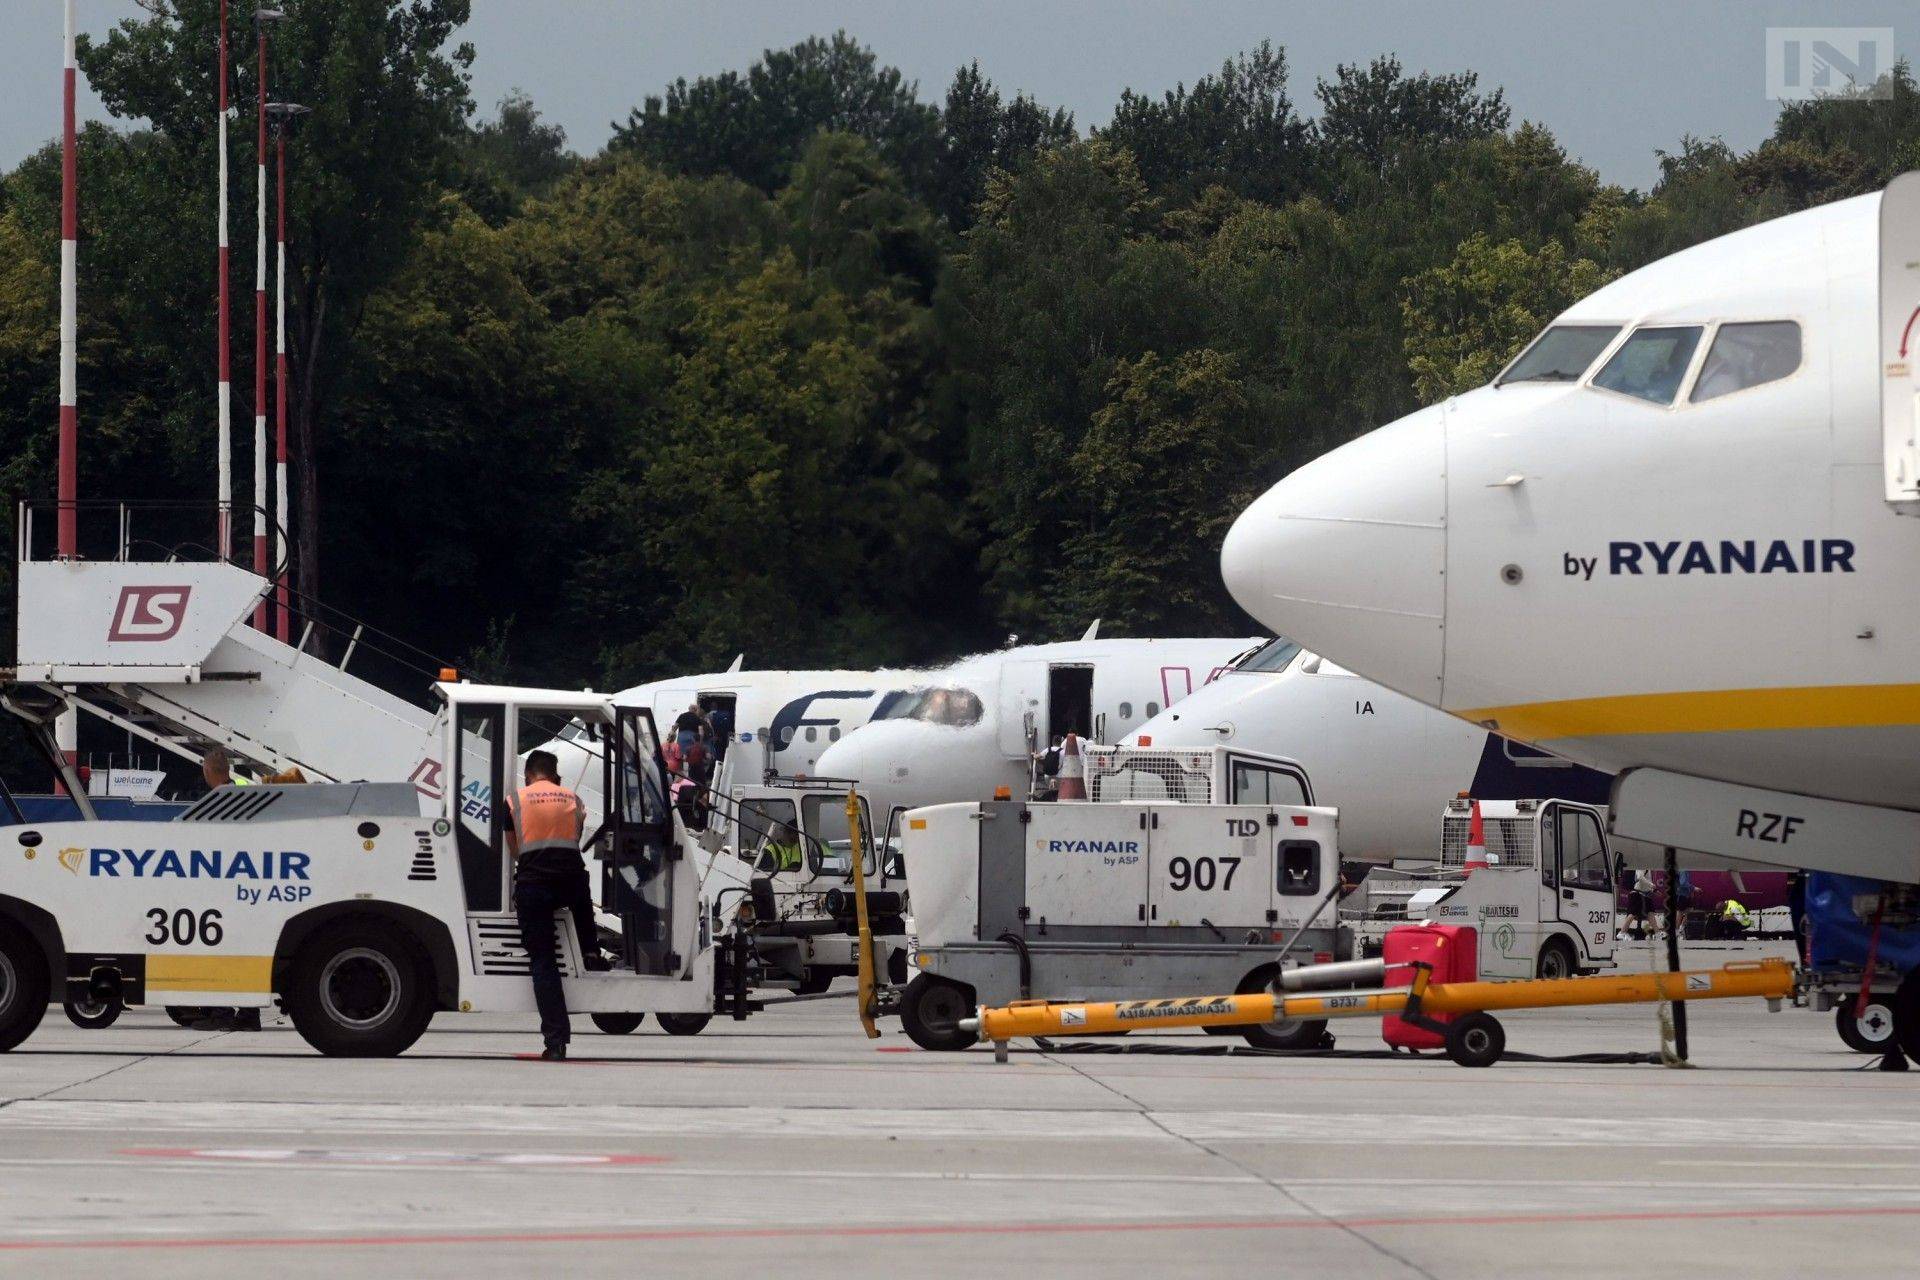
(149, 613)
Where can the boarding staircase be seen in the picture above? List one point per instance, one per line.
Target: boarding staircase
(152, 631)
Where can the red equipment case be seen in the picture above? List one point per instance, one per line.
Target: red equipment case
(1454, 952)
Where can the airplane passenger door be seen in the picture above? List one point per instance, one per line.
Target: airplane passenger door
(1583, 883)
(1022, 707)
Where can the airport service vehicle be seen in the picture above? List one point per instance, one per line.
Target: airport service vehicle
(360, 915)
(1863, 939)
(801, 922)
(1674, 539)
(963, 732)
(1184, 871)
(1543, 905)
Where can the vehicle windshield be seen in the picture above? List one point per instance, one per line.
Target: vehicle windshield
(1274, 655)
(957, 707)
(1561, 354)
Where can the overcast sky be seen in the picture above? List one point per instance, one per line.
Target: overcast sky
(1613, 81)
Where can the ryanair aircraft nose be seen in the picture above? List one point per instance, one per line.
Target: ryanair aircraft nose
(1347, 555)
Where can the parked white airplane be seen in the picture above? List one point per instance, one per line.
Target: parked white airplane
(961, 732)
(1388, 763)
(1667, 539)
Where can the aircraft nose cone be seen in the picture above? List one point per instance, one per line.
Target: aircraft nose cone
(1348, 554)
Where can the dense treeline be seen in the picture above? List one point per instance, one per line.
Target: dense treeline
(804, 364)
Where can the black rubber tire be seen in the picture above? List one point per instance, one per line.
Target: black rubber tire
(930, 1011)
(1556, 960)
(618, 1024)
(185, 1015)
(1288, 1033)
(815, 983)
(1872, 1034)
(93, 1017)
(365, 967)
(1906, 1015)
(683, 1024)
(1476, 1040)
(25, 985)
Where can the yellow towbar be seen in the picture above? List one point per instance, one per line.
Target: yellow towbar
(1473, 1039)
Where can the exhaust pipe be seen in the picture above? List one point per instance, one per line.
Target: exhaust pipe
(1346, 973)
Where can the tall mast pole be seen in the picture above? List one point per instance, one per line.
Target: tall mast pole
(260, 328)
(66, 727)
(283, 622)
(226, 355)
(69, 483)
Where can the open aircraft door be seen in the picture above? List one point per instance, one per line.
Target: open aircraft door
(1900, 341)
(1022, 707)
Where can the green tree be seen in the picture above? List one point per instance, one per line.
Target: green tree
(505, 160)
(754, 126)
(1468, 318)
(979, 132)
(1236, 129)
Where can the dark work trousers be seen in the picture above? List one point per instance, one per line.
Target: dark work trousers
(536, 898)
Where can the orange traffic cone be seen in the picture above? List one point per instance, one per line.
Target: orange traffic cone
(1476, 840)
(1073, 770)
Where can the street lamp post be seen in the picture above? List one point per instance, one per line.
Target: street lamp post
(262, 18)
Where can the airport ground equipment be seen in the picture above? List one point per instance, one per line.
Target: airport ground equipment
(1544, 906)
(1105, 898)
(360, 916)
(1863, 961)
(1474, 1037)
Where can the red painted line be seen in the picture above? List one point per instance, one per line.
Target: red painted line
(957, 1228)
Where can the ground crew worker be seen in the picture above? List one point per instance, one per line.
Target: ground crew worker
(217, 768)
(549, 875)
(782, 850)
(1735, 913)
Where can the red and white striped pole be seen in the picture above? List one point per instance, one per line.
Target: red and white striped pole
(283, 622)
(260, 330)
(226, 361)
(69, 483)
(66, 727)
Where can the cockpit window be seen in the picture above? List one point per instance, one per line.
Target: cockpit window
(1561, 354)
(1274, 655)
(1746, 355)
(956, 707)
(1651, 363)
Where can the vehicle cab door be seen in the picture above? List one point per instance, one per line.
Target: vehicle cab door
(637, 872)
(1582, 866)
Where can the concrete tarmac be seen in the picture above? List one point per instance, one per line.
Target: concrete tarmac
(791, 1146)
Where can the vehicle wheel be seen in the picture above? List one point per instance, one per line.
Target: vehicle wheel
(1906, 1015)
(1281, 1033)
(185, 1015)
(1556, 960)
(360, 989)
(92, 1015)
(1476, 1040)
(683, 1024)
(931, 1009)
(24, 984)
(1872, 1032)
(618, 1024)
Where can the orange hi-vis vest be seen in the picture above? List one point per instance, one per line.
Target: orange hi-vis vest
(547, 816)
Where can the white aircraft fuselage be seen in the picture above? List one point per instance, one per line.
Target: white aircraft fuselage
(1675, 555)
